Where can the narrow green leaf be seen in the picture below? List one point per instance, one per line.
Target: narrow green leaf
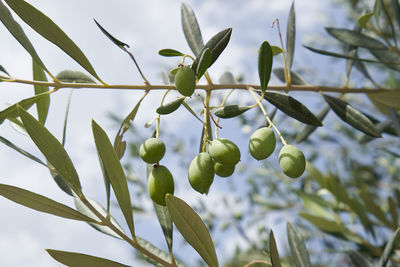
(355, 38)
(50, 31)
(41, 203)
(333, 54)
(372, 207)
(204, 63)
(106, 181)
(394, 115)
(2, 69)
(387, 57)
(358, 259)
(216, 45)
(115, 173)
(352, 116)
(316, 205)
(396, 11)
(389, 248)
(264, 64)
(364, 19)
(191, 29)
(276, 50)
(298, 249)
(12, 111)
(52, 149)
(86, 211)
(309, 129)
(273, 251)
(170, 107)
(191, 110)
(393, 212)
(292, 108)
(42, 105)
(323, 224)
(296, 79)
(231, 111)
(73, 259)
(192, 229)
(64, 136)
(290, 36)
(112, 38)
(73, 76)
(15, 29)
(170, 53)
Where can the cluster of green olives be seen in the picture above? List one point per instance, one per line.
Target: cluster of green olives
(291, 160)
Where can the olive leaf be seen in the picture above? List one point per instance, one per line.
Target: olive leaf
(231, 111)
(298, 249)
(290, 36)
(389, 248)
(292, 108)
(333, 54)
(192, 229)
(112, 38)
(296, 79)
(41, 203)
(52, 149)
(170, 53)
(358, 259)
(387, 57)
(115, 173)
(264, 64)
(2, 69)
(276, 50)
(21, 151)
(42, 105)
(204, 63)
(73, 76)
(191, 29)
(352, 116)
(74, 259)
(309, 129)
(170, 107)
(216, 45)
(364, 19)
(273, 251)
(396, 11)
(50, 31)
(355, 38)
(15, 29)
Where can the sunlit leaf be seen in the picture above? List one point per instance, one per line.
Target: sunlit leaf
(264, 64)
(358, 260)
(41, 203)
(52, 149)
(389, 248)
(191, 29)
(276, 50)
(290, 36)
(309, 129)
(292, 108)
(273, 251)
(73, 259)
(192, 229)
(388, 97)
(204, 63)
(170, 53)
(42, 105)
(115, 173)
(50, 31)
(230, 111)
(352, 116)
(73, 76)
(316, 205)
(296, 79)
(355, 38)
(298, 249)
(112, 38)
(364, 19)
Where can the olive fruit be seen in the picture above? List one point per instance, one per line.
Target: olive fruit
(152, 150)
(160, 183)
(185, 80)
(224, 151)
(201, 172)
(262, 143)
(223, 170)
(292, 161)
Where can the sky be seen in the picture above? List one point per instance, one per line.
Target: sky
(147, 26)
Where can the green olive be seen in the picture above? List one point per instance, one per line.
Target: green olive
(201, 172)
(292, 161)
(223, 170)
(160, 183)
(224, 151)
(152, 150)
(262, 143)
(185, 80)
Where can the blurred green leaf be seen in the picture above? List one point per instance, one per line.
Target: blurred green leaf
(42, 105)
(355, 38)
(292, 108)
(316, 205)
(309, 129)
(388, 57)
(388, 97)
(372, 206)
(204, 63)
(227, 77)
(273, 251)
(296, 79)
(50, 31)
(389, 248)
(216, 45)
(41, 203)
(290, 36)
(393, 212)
(264, 64)
(298, 249)
(192, 229)
(86, 211)
(73, 259)
(112, 38)
(364, 19)
(73, 76)
(276, 50)
(352, 116)
(191, 29)
(170, 53)
(52, 149)
(15, 29)
(333, 54)
(358, 259)
(230, 111)
(396, 11)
